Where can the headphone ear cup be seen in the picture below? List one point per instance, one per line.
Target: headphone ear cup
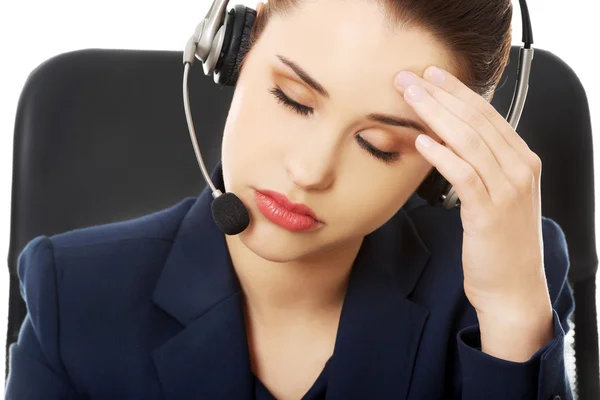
(236, 43)
(432, 188)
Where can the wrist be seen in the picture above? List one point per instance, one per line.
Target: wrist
(515, 335)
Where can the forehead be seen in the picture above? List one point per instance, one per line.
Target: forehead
(354, 37)
(350, 47)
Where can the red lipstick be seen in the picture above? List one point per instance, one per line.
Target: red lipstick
(280, 210)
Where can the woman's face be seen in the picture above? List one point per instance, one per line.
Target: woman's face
(320, 155)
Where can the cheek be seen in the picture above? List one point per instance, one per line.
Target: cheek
(379, 206)
(253, 137)
(361, 208)
(375, 200)
(254, 122)
(242, 133)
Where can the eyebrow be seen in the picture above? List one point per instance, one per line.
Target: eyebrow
(376, 117)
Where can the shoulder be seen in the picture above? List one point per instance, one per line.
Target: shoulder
(442, 230)
(159, 225)
(440, 285)
(442, 233)
(78, 259)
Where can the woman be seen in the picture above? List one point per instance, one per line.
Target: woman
(363, 292)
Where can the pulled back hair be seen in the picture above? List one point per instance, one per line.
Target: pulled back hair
(477, 33)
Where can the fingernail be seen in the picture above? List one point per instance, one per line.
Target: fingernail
(436, 75)
(414, 93)
(404, 79)
(424, 140)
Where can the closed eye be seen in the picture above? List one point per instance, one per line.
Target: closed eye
(285, 100)
(387, 157)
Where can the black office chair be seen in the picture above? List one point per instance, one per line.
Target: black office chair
(101, 136)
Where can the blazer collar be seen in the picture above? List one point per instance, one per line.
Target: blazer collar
(378, 335)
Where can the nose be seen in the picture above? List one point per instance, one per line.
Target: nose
(311, 165)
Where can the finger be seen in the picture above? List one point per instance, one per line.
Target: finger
(466, 181)
(464, 140)
(457, 88)
(517, 168)
(505, 155)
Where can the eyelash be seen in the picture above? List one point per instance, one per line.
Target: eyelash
(306, 111)
(285, 100)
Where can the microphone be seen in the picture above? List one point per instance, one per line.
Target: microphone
(228, 211)
(230, 214)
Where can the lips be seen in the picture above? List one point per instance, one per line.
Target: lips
(283, 212)
(290, 205)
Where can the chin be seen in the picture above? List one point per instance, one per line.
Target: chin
(276, 244)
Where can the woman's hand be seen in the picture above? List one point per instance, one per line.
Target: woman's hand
(497, 178)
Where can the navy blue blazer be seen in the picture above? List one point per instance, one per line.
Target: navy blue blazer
(151, 308)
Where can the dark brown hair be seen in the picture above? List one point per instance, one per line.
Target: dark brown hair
(476, 32)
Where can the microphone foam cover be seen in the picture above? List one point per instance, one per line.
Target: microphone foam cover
(230, 214)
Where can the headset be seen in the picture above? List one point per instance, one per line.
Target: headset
(222, 40)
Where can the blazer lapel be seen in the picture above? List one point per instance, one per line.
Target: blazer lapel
(208, 358)
(378, 336)
(380, 327)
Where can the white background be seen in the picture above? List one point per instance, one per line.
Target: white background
(31, 31)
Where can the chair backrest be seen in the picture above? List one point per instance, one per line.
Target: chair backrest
(100, 136)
